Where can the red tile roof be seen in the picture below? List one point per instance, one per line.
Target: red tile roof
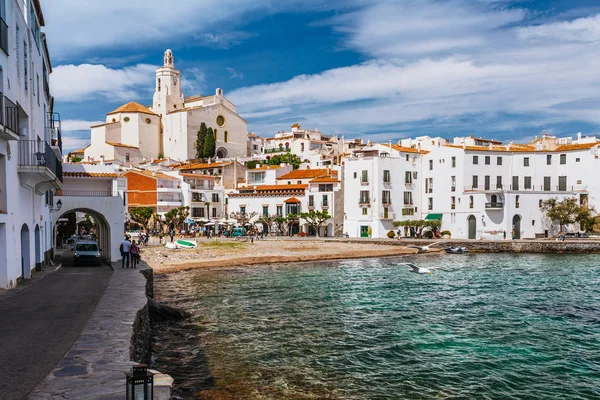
(122, 145)
(307, 174)
(132, 107)
(292, 200)
(90, 174)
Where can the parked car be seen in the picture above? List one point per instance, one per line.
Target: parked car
(86, 252)
(239, 232)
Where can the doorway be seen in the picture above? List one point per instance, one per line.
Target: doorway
(516, 231)
(25, 256)
(472, 227)
(364, 231)
(38, 250)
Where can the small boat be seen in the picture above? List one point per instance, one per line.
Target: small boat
(181, 244)
(456, 250)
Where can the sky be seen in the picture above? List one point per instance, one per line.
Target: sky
(377, 69)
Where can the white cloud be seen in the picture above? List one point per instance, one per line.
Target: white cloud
(71, 143)
(72, 125)
(87, 81)
(579, 30)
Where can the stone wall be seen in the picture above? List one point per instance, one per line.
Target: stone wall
(140, 348)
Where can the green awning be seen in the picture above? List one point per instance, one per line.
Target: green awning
(434, 216)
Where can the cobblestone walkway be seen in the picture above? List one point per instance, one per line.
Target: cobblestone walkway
(94, 367)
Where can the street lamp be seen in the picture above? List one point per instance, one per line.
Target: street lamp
(58, 205)
(140, 383)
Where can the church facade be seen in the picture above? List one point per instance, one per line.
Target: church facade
(169, 127)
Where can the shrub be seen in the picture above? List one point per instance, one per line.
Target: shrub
(391, 234)
(429, 235)
(444, 233)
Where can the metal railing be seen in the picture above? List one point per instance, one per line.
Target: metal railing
(11, 115)
(530, 188)
(389, 215)
(494, 205)
(54, 130)
(34, 153)
(87, 193)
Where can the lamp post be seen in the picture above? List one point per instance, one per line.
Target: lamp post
(58, 205)
(140, 383)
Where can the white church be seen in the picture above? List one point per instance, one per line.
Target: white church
(133, 133)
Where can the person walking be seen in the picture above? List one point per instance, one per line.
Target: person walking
(125, 249)
(172, 234)
(135, 254)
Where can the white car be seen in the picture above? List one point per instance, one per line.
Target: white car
(86, 252)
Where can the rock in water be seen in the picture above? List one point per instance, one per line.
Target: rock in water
(160, 312)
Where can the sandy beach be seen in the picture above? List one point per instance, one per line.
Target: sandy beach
(228, 253)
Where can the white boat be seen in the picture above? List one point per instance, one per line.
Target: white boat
(181, 244)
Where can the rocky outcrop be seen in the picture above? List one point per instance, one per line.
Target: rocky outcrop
(140, 348)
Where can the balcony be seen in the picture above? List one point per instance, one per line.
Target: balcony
(87, 193)
(53, 131)
(168, 203)
(39, 167)
(168, 190)
(494, 206)
(9, 119)
(364, 183)
(387, 216)
(364, 202)
(324, 205)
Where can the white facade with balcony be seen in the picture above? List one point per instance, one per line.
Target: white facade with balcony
(30, 147)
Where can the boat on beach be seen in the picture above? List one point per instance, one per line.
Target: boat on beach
(181, 244)
(456, 250)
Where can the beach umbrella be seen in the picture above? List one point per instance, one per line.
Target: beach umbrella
(209, 224)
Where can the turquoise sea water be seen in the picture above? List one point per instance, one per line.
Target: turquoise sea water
(481, 326)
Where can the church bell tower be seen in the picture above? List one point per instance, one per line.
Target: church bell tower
(168, 96)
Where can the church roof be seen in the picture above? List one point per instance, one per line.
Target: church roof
(132, 107)
(115, 144)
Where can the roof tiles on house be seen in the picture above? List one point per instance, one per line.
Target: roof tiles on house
(292, 200)
(86, 174)
(307, 174)
(188, 167)
(115, 144)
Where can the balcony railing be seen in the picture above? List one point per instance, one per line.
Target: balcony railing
(54, 130)
(388, 215)
(34, 153)
(364, 201)
(532, 188)
(87, 193)
(492, 206)
(11, 115)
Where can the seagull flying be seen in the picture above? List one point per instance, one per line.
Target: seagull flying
(423, 249)
(418, 270)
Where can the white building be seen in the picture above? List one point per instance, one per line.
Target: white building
(168, 128)
(30, 145)
(478, 188)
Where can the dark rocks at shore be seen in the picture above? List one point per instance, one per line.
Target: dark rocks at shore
(161, 312)
(140, 348)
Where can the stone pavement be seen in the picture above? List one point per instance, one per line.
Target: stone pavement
(94, 366)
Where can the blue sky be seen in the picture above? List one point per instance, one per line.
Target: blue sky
(378, 69)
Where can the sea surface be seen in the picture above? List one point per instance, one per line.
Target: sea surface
(481, 326)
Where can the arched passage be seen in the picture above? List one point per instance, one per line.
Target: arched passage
(472, 221)
(221, 152)
(103, 230)
(38, 248)
(516, 228)
(25, 253)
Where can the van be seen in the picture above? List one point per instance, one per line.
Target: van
(239, 232)
(86, 252)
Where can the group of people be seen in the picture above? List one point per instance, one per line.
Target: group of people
(130, 251)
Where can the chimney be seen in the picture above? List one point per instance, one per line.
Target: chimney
(578, 136)
(101, 160)
(153, 173)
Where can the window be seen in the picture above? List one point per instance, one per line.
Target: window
(126, 157)
(475, 159)
(364, 197)
(279, 211)
(430, 165)
(563, 158)
(311, 201)
(407, 177)
(215, 197)
(365, 211)
(365, 176)
(562, 183)
(216, 135)
(526, 161)
(25, 67)
(386, 176)
(242, 209)
(549, 159)
(475, 181)
(326, 188)
(214, 212)
(486, 182)
(148, 121)
(325, 201)
(471, 202)
(452, 202)
(577, 159)
(259, 177)
(430, 203)
(221, 121)
(498, 182)
(355, 175)
(37, 81)
(299, 182)
(515, 183)
(266, 211)
(385, 213)
(499, 161)
(408, 200)
(541, 203)
(517, 201)
(527, 183)
(453, 162)
(198, 212)
(547, 183)
(407, 157)
(429, 185)
(453, 183)
(386, 197)
(226, 137)
(487, 160)
(126, 119)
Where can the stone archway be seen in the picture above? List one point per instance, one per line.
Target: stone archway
(222, 152)
(472, 222)
(25, 253)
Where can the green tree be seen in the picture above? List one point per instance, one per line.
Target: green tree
(569, 211)
(292, 219)
(286, 158)
(141, 215)
(200, 140)
(178, 215)
(417, 225)
(316, 219)
(210, 145)
(280, 221)
(251, 164)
